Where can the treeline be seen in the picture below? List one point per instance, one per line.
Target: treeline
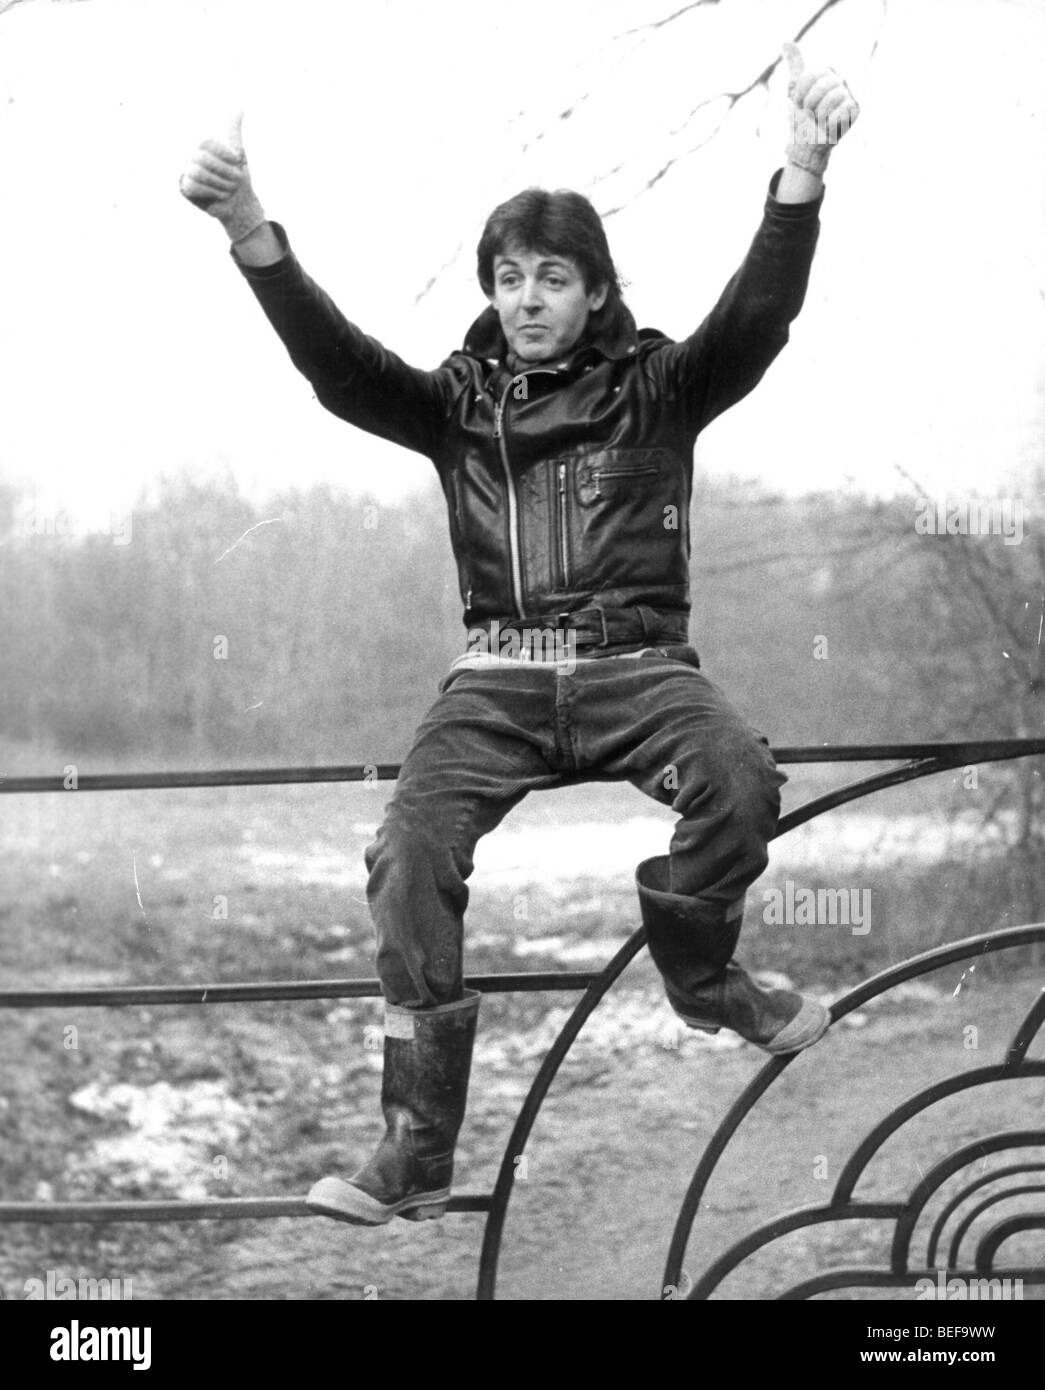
(309, 629)
(317, 627)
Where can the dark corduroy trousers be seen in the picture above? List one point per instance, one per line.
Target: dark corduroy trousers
(496, 733)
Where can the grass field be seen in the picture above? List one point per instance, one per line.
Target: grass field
(221, 1100)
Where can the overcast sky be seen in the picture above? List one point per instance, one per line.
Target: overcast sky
(382, 134)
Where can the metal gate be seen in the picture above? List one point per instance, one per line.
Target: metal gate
(948, 1258)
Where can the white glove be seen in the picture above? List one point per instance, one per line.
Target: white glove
(217, 179)
(822, 110)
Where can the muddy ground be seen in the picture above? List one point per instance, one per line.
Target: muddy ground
(260, 1099)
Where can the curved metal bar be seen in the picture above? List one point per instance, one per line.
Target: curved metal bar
(853, 791)
(984, 1180)
(493, 1234)
(902, 1212)
(210, 1209)
(118, 995)
(923, 1100)
(991, 1201)
(921, 766)
(716, 1146)
(989, 943)
(996, 1237)
(783, 1226)
(886, 979)
(895, 1277)
(945, 1169)
(1027, 1032)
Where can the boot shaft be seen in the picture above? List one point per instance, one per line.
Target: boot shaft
(689, 941)
(427, 1065)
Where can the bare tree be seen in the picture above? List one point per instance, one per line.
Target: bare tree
(979, 606)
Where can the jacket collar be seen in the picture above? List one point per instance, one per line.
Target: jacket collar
(616, 338)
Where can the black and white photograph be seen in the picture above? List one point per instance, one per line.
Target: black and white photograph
(522, 681)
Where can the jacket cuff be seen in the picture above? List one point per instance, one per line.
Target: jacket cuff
(808, 210)
(266, 272)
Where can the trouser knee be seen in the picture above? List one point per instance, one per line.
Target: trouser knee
(417, 898)
(730, 805)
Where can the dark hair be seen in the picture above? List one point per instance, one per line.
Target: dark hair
(562, 223)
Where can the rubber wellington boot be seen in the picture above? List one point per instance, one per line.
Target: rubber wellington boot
(707, 989)
(428, 1057)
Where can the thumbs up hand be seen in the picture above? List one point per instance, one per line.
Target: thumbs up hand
(217, 180)
(822, 110)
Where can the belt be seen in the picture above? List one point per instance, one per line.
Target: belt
(609, 627)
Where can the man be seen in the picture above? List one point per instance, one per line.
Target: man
(563, 440)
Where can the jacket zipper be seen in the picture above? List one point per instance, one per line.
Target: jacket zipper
(639, 471)
(458, 510)
(499, 433)
(459, 519)
(513, 504)
(564, 537)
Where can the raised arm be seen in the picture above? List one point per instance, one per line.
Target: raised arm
(729, 353)
(353, 375)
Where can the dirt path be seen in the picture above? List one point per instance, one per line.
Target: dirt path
(658, 1112)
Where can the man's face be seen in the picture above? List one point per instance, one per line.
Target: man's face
(542, 303)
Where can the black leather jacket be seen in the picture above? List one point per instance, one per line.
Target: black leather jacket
(568, 485)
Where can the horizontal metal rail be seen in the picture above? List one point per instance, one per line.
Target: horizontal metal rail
(180, 1209)
(110, 996)
(953, 754)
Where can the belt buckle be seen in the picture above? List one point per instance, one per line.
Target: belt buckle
(598, 608)
(570, 620)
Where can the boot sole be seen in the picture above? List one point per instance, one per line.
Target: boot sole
(803, 1031)
(344, 1202)
(807, 1027)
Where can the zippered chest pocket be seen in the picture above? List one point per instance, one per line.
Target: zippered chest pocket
(628, 526)
(620, 473)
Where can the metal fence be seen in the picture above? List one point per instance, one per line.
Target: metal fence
(915, 761)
